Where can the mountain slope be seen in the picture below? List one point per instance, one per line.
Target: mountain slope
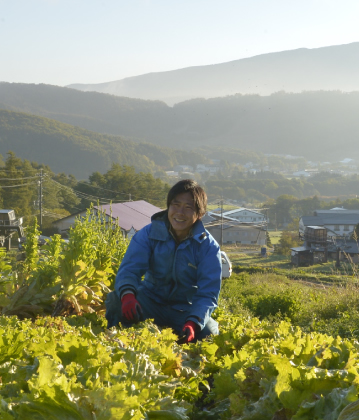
(317, 125)
(91, 110)
(74, 150)
(326, 68)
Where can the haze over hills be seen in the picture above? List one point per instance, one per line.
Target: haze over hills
(76, 151)
(325, 68)
(320, 125)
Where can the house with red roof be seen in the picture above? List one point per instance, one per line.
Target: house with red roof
(131, 216)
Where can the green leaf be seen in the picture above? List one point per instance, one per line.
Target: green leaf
(53, 407)
(48, 371)
(350, 412)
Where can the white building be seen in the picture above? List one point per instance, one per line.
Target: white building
(207, 168)
(244, 215)
(338, 221)
(305, 174)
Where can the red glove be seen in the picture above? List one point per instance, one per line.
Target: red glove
(189, 329)
(131, 309)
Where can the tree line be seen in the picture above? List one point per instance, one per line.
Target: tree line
(61, 195)
(264, 186)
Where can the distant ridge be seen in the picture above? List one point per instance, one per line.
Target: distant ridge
(325, 68)
(319, 125)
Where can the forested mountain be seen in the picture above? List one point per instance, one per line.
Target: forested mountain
(80, 152)
(326, 68)
(317, 125)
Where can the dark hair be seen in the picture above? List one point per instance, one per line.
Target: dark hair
(197, 192)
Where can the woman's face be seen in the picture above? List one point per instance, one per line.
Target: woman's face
(182, 214)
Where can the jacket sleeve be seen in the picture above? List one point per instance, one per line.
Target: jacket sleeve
(135, 263)
(209, 285)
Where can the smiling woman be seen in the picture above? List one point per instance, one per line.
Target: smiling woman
(182, 215)
(181, 265)
(185, 208)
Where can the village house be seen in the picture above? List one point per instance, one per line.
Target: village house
(131, 216)
(244, 215)
(318, 247)
(228, 230)
(303, 173)
(338, 221)
(315, 247)
(207, 168)
(237, 234)
(172, 174)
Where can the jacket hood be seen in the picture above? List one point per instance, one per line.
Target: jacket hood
(161, 215)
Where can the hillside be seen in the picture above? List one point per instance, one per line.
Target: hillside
(326, 68)
(98, 112)
(317, 125)
(74, 150)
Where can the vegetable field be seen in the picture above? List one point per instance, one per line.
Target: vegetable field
(58, 360)
(61, 369)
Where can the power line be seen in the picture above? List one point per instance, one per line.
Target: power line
(50, 213)
(92, 197)
(19, 185)
(18, 179)
(17, 170)
(120, 192)
(81, 194)
(44, 177)
(101, 188)
(74, 207)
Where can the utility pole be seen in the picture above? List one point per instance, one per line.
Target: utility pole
(40, 199)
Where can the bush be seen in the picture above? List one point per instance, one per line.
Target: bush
(285, 303)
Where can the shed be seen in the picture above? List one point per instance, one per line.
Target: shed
(9, 225)
(308, 255)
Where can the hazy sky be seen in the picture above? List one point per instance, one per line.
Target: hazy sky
(92, 41)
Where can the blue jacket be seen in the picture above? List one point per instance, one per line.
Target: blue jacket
(186, 276)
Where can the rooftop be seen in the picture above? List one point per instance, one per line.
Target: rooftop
(135, 214)
(229, 212)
